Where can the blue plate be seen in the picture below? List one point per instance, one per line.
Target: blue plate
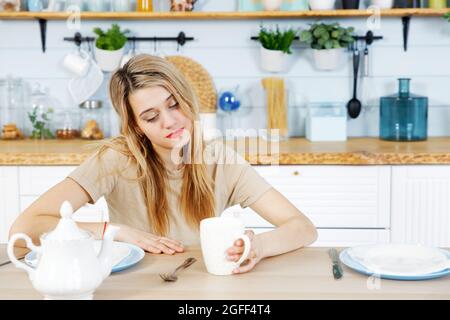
(136, 254)
(352, 264)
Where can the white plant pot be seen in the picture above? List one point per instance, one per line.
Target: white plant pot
(322, 4)
(272, 60)
(272, 5)
(108, 60)
(382, 4)
(328, 59)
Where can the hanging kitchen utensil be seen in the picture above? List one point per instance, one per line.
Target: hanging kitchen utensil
(354, 105)
(366, 61)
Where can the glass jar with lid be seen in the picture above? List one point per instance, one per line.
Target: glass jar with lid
(67, 125)
(92, 120)
(12, 97)
(40, 117)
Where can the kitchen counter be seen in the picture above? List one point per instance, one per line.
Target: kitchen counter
(301, 274)
(295, 151)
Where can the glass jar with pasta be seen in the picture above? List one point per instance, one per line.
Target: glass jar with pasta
(277, 107)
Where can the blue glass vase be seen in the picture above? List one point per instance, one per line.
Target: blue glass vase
(404, 117)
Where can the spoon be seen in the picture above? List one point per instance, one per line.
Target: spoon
(354, 105)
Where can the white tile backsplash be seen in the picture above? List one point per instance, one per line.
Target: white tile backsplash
(224, 48)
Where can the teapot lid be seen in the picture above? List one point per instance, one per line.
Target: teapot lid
(67, 229)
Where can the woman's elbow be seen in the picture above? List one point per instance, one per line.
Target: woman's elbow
(308, 232)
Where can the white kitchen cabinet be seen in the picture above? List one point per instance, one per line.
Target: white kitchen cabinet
(350, 205)
(332, 196)
(421, 205)
(9, 199)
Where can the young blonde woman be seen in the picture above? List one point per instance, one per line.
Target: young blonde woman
(156, 180)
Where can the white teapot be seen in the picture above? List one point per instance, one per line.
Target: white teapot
(68, 267)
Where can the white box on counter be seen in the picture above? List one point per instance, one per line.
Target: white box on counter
(326, 122)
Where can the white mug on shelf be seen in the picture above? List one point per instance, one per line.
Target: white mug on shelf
(218, 234)
(77, 63)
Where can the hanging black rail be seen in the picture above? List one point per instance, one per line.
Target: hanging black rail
(181, 39)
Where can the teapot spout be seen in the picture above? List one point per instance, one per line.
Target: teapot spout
(106, 252)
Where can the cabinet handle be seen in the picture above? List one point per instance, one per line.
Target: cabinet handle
(296, 173)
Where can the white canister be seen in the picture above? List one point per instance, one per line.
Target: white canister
(322, 4)
(272, 60)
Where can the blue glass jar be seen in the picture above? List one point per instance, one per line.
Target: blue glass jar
(404, 117)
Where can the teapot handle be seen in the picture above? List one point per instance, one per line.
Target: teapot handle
(13, 258)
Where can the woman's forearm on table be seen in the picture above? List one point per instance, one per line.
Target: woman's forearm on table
(292, 235)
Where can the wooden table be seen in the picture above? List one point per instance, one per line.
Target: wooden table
(301, 274)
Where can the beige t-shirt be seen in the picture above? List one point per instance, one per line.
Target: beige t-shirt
(236, 182)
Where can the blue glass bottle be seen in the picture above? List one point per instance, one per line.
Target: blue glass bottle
(404, 117)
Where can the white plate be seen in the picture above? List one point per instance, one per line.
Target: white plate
(399, 259)
(125, 255)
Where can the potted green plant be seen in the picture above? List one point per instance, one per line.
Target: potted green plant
(328, 42)
(275, 46)
(109, 47)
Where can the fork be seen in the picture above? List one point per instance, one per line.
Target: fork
(172, 276)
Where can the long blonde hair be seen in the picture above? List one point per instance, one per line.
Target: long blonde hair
(197, 194)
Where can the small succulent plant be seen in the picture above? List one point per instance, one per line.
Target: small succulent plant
(322, 36)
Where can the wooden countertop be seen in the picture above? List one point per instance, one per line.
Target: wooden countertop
(301, 274)
(355, 151)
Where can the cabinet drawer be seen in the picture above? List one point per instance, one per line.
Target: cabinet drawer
(37, 180)
(331, 196)
(344, 237)
(97, 212)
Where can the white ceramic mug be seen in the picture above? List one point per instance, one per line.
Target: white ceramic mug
(217, 235)
(77, 63)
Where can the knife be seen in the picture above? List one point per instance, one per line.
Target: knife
(337, 268)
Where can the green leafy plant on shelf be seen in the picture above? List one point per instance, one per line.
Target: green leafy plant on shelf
(40, 123)
(111, 40)
(321, 36)
(447, 16)
(277, 39)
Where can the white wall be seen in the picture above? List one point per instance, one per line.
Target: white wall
(224, 48)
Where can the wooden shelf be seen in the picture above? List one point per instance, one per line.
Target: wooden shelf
(423, 12)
